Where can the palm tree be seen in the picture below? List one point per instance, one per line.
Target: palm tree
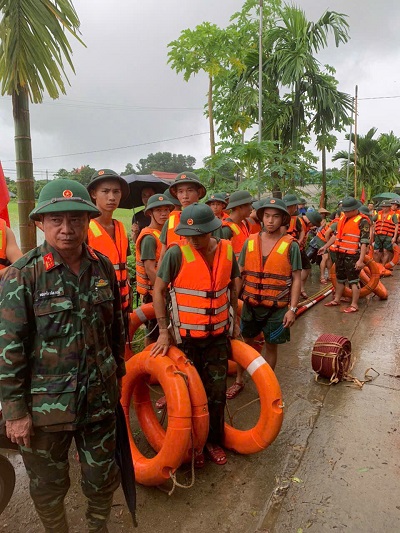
(33, 47)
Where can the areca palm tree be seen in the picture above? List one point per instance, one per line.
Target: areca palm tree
(33, 49)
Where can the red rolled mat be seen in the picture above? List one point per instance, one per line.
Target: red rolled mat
(331, 357)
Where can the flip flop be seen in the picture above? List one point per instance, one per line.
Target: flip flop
(161, 403)
(323, 281)
(332, 303)
(350, 309)
(199, 460)
(216, 454)
(234, 390)
(304, 295)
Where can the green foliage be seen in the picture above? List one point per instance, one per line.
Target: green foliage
(33, 45)
(165, 162)
(81, 174)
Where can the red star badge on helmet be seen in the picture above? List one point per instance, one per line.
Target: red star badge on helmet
(190, 222)
(67, 193)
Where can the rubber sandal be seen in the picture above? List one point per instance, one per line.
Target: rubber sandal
(161, 403)
(234, 390)
(216, 454)
(332, 303)
(350, 309)
(199, 460)
(323, 281)
(304, 295)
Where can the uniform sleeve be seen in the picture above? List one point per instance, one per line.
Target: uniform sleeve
(226, 233)
(170, 265)
(16, 321)
(395, 219)
(295, 256)
(242, 256)
(148, 248)
(163, 235)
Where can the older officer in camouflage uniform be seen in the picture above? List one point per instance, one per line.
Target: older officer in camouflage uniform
(61, 358)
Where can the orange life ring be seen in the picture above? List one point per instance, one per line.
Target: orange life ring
(177, 437)
(380, 290)
(396, 256)
(139, 316)
(369, 286)
(271, 406)
(152, 429)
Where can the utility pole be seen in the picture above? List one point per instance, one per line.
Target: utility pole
(348, 155)
(355, 143)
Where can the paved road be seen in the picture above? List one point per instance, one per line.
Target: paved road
(333, 467)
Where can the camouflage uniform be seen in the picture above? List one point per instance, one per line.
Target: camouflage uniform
(61, 352)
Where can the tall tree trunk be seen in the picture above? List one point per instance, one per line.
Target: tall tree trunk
(24, 164)
(211, 122)
(322, 201)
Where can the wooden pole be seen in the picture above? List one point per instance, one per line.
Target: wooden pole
(260, 95)
(355, 142)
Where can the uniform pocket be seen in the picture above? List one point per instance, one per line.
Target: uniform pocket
(103, 301)
(53, 399)
(53, 317)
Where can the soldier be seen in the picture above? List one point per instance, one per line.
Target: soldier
(218, 203)
(385, 232)
(9, 249)
(202, 273)
(235, 227)
(62, 347)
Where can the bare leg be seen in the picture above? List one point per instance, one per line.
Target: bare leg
(355, 293)
(271, 354)
(304, 275)
(338, 291)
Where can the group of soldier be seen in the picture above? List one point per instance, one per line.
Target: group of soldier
(64, 310)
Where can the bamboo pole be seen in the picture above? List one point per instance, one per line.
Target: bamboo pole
(348, 155)
(355, 142)
(260, 88)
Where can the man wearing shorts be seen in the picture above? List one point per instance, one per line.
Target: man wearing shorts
(385, 234)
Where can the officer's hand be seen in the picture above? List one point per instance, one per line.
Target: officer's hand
(289, 319)
(162, 345)
(359, 265)
(135, 231)
(19, 431)
(321, 251)
(236, 331)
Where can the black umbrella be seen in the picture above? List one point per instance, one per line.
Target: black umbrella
(123, 458)
(136, 183)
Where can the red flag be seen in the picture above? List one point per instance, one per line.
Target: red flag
(4, 197)
(362, 197)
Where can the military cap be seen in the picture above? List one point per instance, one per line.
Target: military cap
(395, 201)
(302, 201)
(350, 204)
(314, 217)
(290, 199)
(197, 219)
(364, 210)
(62, 195)
(239, 198)
(158, 200)
(386, 203)
(171, 198)
(273, 203)
(187, 177)
(107, 174)
(217, 197)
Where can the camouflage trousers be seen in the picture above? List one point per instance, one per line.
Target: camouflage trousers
(47, 465)
(210, 358)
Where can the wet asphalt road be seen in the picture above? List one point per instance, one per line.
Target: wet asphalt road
(334, 467)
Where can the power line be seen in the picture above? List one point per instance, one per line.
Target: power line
(113, 149)
(379, 97)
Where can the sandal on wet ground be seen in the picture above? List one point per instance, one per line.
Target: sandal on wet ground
(216, 454)
(161, 402)
(304, 295)
(350, 309)
(199, 460)
(234, 390)
(332, 303)
(323, 281)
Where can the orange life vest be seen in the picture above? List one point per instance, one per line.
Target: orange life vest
(4, 263)
(267, 284)
(173, 221)
(199, 294)
(348, 234)
(384, 224)
(322, 231)
(240, 233)
(143, 283)
(116, 251)
(292, 229)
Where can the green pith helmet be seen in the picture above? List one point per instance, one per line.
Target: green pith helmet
(187, 177)
(107, 174)
(197, 219)
(239, 198)
(350, 204)
(61, 196)
(364, 210)
(217, 197)
(302, 201)
(290, 199)
(171, 198)
(273, 203)
(255, 205)
(395, 201)
(314, 217)
(158, 200)
(386, 203)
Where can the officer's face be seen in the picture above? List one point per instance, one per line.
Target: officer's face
(187, 194)
(66, 231)
(107, 195)
(272, 220)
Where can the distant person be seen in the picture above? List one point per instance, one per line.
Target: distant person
(9, 249)
(236, 228)
(140, 220)
(218, 203)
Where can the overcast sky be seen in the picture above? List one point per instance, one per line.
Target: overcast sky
(125, 95)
